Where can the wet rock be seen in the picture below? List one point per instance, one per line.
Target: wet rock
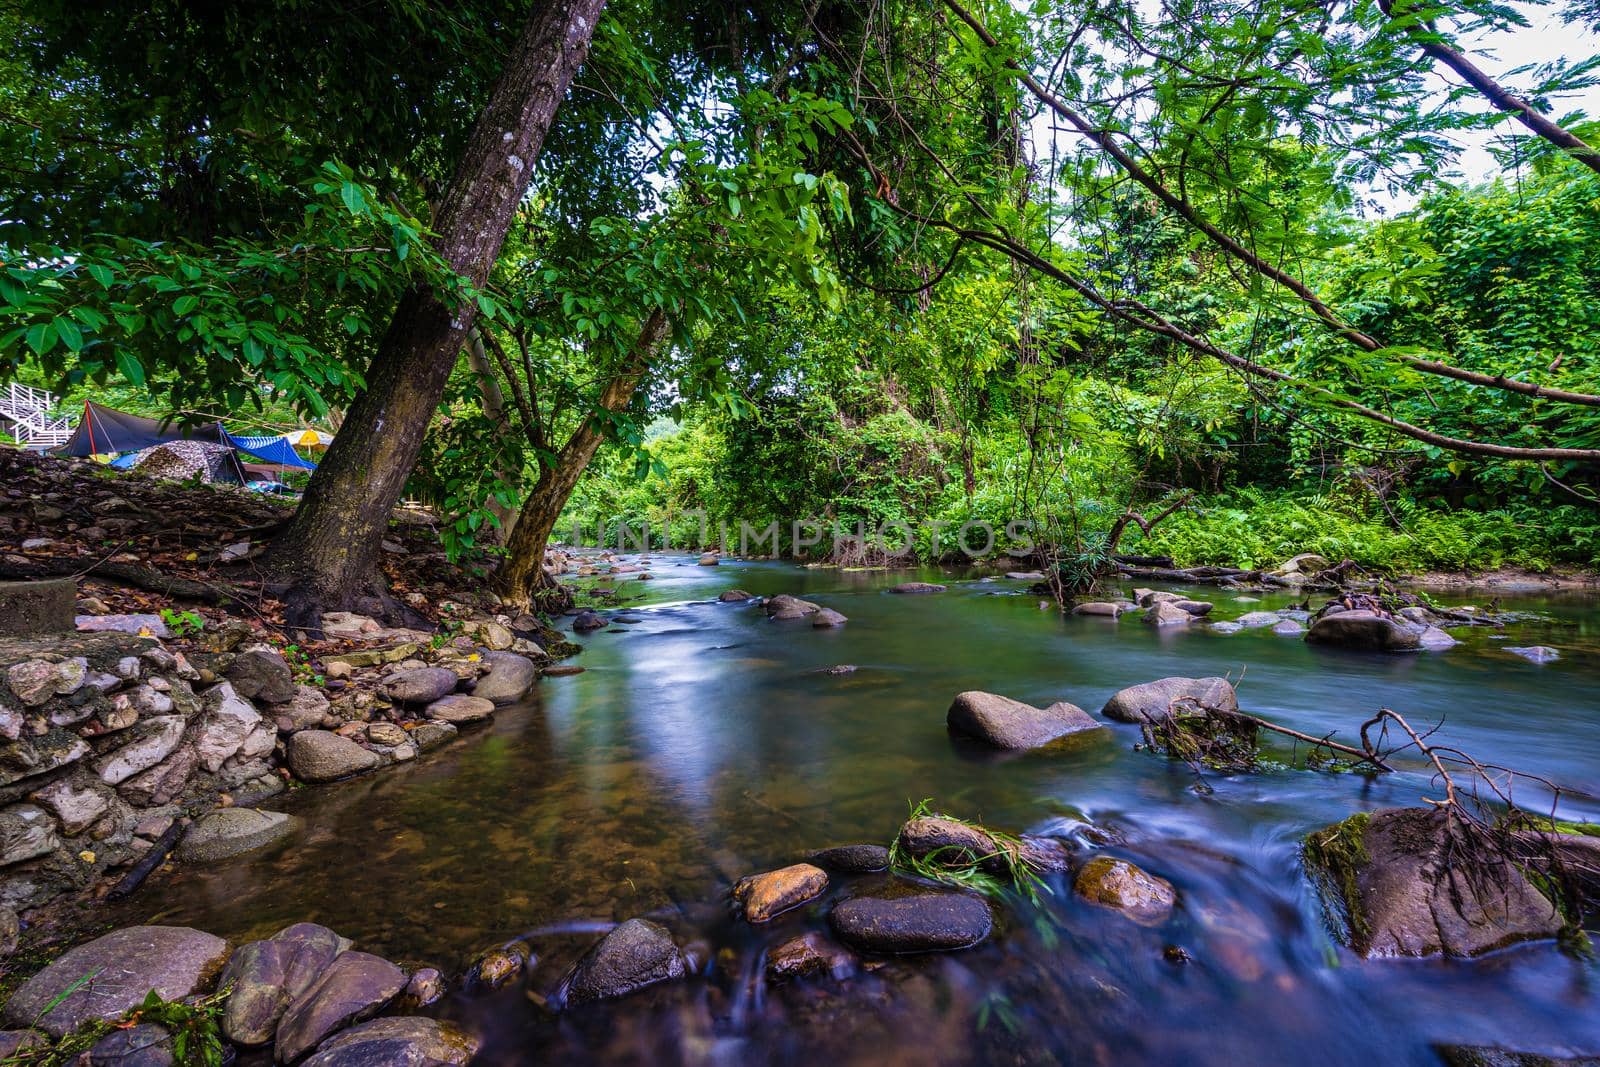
(432, 734)
(916, 588)
(510, 678)
(1433, 639)
(1011, 724)
(1100, 607)
(827, 617)
(354, 987)
(1152, 701)
(426, 986)
(636, 954)
(709, 559)
(267, 976)
(226, 832)
(763, 896)
(1166, 613)
(1536, 653)
(173, 961)
(76, 807)
(562, 670)
(1289, 628)
(1193, 607)
(26, 832)
(1120, 885)
(1411, 884)
(322, 756)
(497, 967)
(734, 596)
(1225, 627)
(809, 956)
(934, 921)
(1026, 576)
(397, 1042)
(261, 674)
(588, 622)
(852, 859)
(1149, 597)
(1366, 631)
(459, 709)
(144, 1045)
(784, 606)
(1253, 619)
(421, 686)
(153, 741)
(1487, 1056)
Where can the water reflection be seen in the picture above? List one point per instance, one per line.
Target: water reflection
(701, 744)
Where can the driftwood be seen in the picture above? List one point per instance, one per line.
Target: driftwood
(1124, 560)
(1189, 574)
(147, 864)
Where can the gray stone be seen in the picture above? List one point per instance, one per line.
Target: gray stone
(144, 625)
(34, 755)
(1536, 653)
(1193, 607)
(784, 606)
(1252, 619)
(914, 922)
(636, 954)
(144, 1045)
(154, 740)
(422, 686)
(306, 710)
(1408, 886)
(397, 1042)
(162, 783)
(1100, 607)
(824, 618)
(354, 987)
(226, 832)
(1289, 628)
(734, 596)
(1225, 627)
(1434, 639)
(510, 678)
(267, 976)
(1011, 724)
(1152, 701)
(1366, 631)
(77, 807)
(432, 734)
(852, 859)
(588, 622)
(15, 1041)
(46, 607)
(34, 681)
(459, 709)
(1166, 613)
(916, 588)
(322, 756)
(228, 721)
(260, 673)
(123, 967)
(26, 832)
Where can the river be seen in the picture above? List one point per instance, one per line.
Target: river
(701, 745)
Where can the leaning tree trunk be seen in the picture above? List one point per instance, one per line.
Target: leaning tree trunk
(493, 399)
(522, 572)
(328, 557)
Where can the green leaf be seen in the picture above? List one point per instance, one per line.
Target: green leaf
(185, 304)
(130, 367)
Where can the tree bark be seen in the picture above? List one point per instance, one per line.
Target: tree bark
(328, 557)
(522, 572)
(494, 409)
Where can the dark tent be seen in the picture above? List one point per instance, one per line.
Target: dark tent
(106, 430)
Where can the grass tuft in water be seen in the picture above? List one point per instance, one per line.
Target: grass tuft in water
(957, 866)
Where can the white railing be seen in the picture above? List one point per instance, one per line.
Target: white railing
(28, 410)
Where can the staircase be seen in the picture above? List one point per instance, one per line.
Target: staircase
(27, 410)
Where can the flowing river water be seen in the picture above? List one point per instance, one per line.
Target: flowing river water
(701, 745)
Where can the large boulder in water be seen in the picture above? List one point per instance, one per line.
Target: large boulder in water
(1419, 882)
(1166, 613)
(932, 921)
(405, 1041)
(111, 974)
(1365, 630)
(510, 678)
(1006, 723)
(226, 832)
(1124, 887)
(784, 606)
(916, 588)
(1152, 701)
(634, 955)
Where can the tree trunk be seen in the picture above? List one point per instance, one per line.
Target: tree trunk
(522, 572)
(328, 557)
(494, 409)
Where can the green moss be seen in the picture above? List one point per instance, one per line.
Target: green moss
(1335, 856)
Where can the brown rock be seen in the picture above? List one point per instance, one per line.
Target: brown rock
(765, 895)
(1118, 884)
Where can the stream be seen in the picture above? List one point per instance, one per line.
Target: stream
(700, 745)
